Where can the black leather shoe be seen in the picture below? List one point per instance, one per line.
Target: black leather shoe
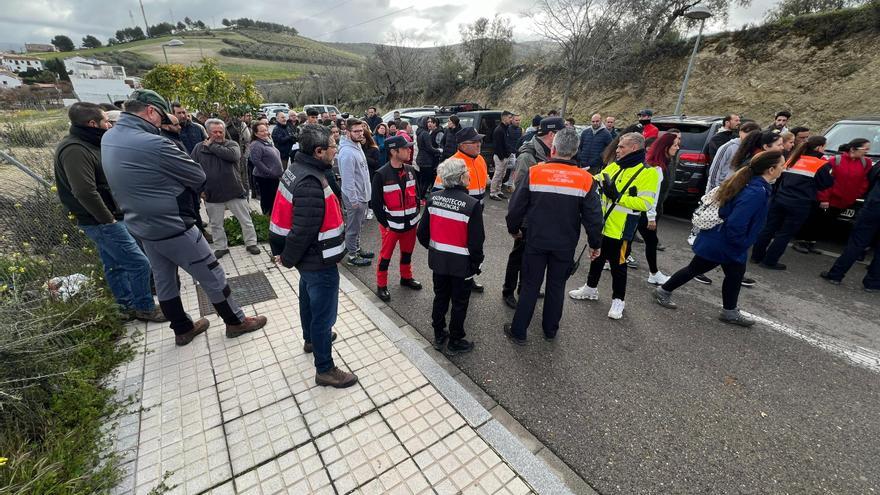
(516, 340)
(477, 287)
(775, 266)
(411, 283)
(827, 276)
(220, 253)
(510, 301)
(383, 293)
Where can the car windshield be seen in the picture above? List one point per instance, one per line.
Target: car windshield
(844, 133)
(693, 136)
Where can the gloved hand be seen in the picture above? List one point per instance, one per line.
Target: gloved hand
(633, 191)
(609, 189)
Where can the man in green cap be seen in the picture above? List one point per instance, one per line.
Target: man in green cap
(153, 181)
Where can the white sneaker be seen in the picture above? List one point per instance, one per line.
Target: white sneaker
(616, 311)
(632, 263)
(585, 292)
(607, 266)
(658, 278)
(369, 214)
(692, 238)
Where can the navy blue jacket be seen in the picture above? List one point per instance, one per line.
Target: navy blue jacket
(191, 134)
(283, 139)
(744, 217)
(591, 147)
(514, 133)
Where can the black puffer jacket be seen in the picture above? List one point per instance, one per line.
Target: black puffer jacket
(429, 154)
(450, 144)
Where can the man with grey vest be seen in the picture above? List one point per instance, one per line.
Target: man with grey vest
(85, 193)
(152, 181)
(219, 159)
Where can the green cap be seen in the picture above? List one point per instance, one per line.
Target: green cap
(151, 97)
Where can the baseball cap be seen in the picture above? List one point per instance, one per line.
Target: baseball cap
(551, 124)
(397, 142)
(536, 120)
(467, 135)
(152, 98)
(647, 112)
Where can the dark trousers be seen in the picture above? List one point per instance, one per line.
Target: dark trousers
(425, 180)
(267, 187)
(819, 223)
(865, 232)
(651, 243)
(783, 223)
(733, 277)
(537, 262)
(455, 290)
(514, 265)
(318, 306)
(614, 252)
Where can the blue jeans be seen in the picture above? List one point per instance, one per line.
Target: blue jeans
(318, 305)
(125, 266)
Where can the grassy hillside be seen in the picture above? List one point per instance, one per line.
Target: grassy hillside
(304, 55)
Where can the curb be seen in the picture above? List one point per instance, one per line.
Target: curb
(533, 467)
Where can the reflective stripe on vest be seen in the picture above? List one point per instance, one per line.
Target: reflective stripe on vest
(558, 178)
(282, 212)
(331, 233)
(806, 166)
(399, 203)
(476, 172)
(449, 230)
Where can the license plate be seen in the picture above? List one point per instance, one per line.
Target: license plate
(848, 213)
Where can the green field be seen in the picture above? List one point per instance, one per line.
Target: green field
(196, 47)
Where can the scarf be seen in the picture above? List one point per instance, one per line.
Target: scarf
(91, 135)
(632, 159)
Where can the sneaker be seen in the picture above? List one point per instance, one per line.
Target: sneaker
(661, 247)
(870, 290)
(775, 266)
(308, 348)
(748, 282)
(460, 346)
(510, 301)
(365, 254)
(220, 253)
(439, 342)
(632, 263)
(607, 266)
(336, 378)
(691, 239)
(253, 249)
(496, 196)
(357, 261)
(369, 214)
(509, 333)
(250, 324)
(827, 276)
(585, 292)
(738, 319)
(802, 247)
(664, 298)
(616, 311)
(658, 278)
(199, 327)
(156, 315)
(703, 279)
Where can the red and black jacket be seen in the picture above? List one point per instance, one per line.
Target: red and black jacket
(453, 233)
(393, 198)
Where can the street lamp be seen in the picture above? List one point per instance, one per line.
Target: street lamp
(172, 43)
(699, 12)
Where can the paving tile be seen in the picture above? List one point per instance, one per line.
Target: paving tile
(235, 357)
(297, 472)
(349, 323)
(358, 452)
(463, 463)
(421, 418)
(326, 408)
(196, 459)
(359, 351)
(247, 393)
(224, 489)
(390, 379)
(404, 478)
(264, 434)
(176, 377)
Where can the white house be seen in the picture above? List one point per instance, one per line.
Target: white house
(20, 63)
(92, 68)
(9, 80)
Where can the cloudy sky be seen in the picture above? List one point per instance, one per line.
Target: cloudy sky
(426, 22)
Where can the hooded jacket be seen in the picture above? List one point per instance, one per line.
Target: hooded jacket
(429, 153)
(151, 179)
(744, 218)
(532, 152)
(850, 181)
(354, 171)
(450, 144)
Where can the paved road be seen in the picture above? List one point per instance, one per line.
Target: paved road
(675, 401)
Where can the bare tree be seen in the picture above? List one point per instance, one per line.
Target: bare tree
(582, 30)
(395, 66)
(487, 44)
(658, 18)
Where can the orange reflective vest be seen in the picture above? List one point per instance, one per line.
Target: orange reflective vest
(479, 175)
(557, 178)
(806, 166)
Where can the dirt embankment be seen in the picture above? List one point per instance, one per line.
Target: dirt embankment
(818, 82)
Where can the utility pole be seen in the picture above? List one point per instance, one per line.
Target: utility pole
(146, 24)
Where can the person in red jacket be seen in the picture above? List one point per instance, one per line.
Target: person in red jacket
(850, 170)
(649, 130)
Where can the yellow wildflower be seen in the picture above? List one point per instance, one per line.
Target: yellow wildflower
(3, 459)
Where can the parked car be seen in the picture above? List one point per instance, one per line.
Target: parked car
(692, 167)
(271, 112)
(484, 121)
(322, 108)
(409, 111)
(844, 131)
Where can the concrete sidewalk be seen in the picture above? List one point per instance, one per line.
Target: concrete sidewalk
(245, 416)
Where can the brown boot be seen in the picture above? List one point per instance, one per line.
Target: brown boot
(336, 378)
(250, 324)
(198, 327)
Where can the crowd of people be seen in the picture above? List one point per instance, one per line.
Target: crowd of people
(135, 180)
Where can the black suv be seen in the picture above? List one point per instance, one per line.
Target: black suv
(484, 121)
(692, 168)
(844, 131)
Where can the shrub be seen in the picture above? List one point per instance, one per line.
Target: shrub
(233, 229)
(20, 134)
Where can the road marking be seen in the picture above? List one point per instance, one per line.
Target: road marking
(859, 355)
